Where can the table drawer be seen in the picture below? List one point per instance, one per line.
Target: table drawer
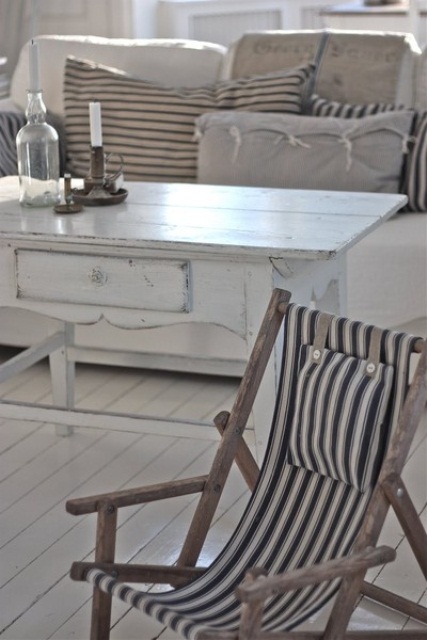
(127, 282)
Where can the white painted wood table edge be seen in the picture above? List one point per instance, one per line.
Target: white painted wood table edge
(228, 245)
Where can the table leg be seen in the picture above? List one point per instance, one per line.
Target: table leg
(311, 283)
(334, 298)
(258, 287)
(62, 372)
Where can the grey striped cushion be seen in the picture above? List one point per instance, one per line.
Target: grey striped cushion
(152, 125)
(10, 123)
(318, 106)
(337, 404)
(295, 518)
(415, 175)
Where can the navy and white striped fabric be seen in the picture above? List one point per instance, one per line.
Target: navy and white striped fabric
(337, 404)
(415, 177)
(10, 124)
(296, 517)
(318, 106)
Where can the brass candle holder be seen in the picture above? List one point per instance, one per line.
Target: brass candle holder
(99, 187)
(69, 206)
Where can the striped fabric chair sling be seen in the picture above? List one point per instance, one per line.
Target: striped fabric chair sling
(343, 423)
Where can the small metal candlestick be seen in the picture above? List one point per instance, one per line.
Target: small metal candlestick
(70, 206)
(96, 177)
(100, 188)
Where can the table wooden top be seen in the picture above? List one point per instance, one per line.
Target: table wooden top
(207, 219)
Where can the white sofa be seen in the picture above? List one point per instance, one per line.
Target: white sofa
(386, 271)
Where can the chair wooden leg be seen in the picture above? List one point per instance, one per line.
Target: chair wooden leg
(408, 517)
(105, 550)
(344, 604)
(251, 616)
(397, 495)
(244, 458)
(394, 601)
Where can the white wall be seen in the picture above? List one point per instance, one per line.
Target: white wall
(114, 18)
(224, 21)
(22, 19)
(144, 18)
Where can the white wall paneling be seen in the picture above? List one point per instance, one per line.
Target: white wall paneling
(144, 19)
(110, 18)
(400, 16)
(224, 21)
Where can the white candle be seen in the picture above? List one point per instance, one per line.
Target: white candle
(34, 67)
(95, 124)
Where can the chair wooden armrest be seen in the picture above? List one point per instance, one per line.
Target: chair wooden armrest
(139, 495)
(265, 586)
(159, 574)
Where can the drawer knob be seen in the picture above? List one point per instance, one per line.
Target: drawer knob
(98, 277)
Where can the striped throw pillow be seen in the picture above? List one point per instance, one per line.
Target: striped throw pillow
(151, 125)
(340, 408)
(415, 175)
(318, 106)
(10, 124)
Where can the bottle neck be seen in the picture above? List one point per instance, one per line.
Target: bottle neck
(36, 110)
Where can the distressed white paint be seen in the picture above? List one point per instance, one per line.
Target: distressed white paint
(160, 285)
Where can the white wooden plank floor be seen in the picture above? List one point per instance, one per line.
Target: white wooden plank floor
(39, 471)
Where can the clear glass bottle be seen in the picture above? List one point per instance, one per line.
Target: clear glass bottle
(38, 157)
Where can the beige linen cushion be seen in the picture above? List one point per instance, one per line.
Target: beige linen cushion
(303, 152)
(414, 174)
(267, 51)
(151, 125)
(351, 66)
(367, 67)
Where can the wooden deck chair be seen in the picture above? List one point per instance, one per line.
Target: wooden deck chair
(343, 423)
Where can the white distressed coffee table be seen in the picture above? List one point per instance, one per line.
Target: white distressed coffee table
(172, 254)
